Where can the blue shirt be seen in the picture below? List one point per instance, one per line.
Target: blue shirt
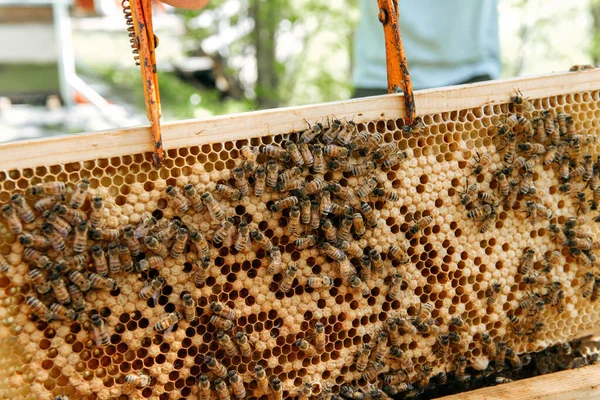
(446, 42)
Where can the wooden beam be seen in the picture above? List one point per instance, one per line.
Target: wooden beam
(60, 150)
(576, 384)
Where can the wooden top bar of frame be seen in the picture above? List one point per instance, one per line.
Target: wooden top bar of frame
(574, 384)
(114, 143)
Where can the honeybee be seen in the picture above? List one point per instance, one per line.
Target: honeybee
(355, 283)
(179, 245)
(47, 202)
(346, 268)
(520, 104)
(142, 265)
(182, 203)
(422, 224)
(583, 205)
(315, 216)
(12, 220)
(332, 251)
(226, 343)
(381, 345)
(335, 151)
(193, 197)
(222, 310)
(488, 344)
(363, 357)
(262, 240)
(282, 204)
(350, 248)
(294, 153)
(310, 134)
(100, 335)
(35, 241)
(513, 359)
(40, 309)
(243, 343)
(167, 323)
(214, 208)
(57, 241)
(368, 214)
(596, 292)
(99, 259)
(579, 244)
(288, 278)
(367, 188)
(272, 175)
(353, 393)
(443, 347)
(249, 155)
(202, 273)
(510, 148)
(329, 230)
(394, 291)
(386, 194)
(95, 218)
(222, 390)
(80, 280)
(138, 380)
(305, 211)
(39, 281)
(260, 182)
(532, 304)
(78, 301)
(332, 131)
(237, 384)
(461, 366)
(132, 241)
(376, 261)
(189, 307)
(416, 129)
(276, 389)
(216, 367)
(492, 292)
(481, 161)
(307, 348)
(200, 243)
(155, 246)
(261, 379)
(114, 262)
(60, 225)
(516, 324)
(294, 221)
(588, 284)
(579, 68)
(405, 361)
(243, 237)
(372, 370)
(242, 188)
(366, 269)
(222, 323)
(166, 234)
(204, 392)
(319, 282)
(366, 168)
(305, 242)
(306, 391)
(274, 261)
(23, 209)
(101, 282)
(152, 288)
(62, 313)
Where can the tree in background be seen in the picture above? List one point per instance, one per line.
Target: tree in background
(276, 52)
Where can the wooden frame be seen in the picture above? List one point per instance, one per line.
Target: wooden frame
(575, 384)
(114, 143)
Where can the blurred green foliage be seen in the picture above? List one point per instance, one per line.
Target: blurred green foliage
(179, 100)
(301, 48)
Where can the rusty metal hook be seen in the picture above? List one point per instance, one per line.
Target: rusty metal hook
(397, 67)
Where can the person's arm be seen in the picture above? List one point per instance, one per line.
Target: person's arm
(189, 4)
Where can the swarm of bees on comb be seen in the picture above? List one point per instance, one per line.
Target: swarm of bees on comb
(345, 261)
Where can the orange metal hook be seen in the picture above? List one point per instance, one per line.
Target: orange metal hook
(138, 14)
(397, 68)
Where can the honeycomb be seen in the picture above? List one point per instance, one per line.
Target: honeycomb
(438, 270)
